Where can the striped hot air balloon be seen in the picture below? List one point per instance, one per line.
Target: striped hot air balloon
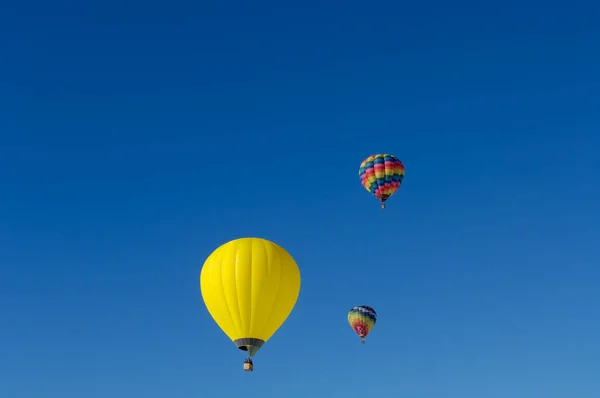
(362, 319)
(382, 175)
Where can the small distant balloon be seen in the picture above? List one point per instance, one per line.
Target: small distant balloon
(362, 318)
(381, 175)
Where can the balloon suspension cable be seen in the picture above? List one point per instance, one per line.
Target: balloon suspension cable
(382, 200)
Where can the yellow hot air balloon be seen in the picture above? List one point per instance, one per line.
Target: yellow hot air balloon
(250, 286)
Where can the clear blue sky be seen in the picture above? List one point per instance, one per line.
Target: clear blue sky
(136, 137)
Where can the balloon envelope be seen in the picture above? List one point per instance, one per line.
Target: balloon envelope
(362, 318)
(250, 286)
(382, 175)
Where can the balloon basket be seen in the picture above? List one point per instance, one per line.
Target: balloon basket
(248, 367)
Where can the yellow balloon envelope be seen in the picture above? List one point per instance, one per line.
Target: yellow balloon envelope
(250, 287)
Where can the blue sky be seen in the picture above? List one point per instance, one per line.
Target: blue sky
(136, 137)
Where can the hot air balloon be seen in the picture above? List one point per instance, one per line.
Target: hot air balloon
(382, 175)
(362, 319)
(250, 286)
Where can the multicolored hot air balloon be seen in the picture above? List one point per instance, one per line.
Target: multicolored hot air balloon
(250, 287)
(382, 175)
(362, 319)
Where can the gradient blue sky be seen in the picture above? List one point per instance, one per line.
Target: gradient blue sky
(136, 137)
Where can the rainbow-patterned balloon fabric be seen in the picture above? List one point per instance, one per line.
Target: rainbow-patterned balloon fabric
(362, 319)
(382, 175)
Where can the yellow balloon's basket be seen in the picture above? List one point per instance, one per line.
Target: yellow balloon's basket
(248, 366)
